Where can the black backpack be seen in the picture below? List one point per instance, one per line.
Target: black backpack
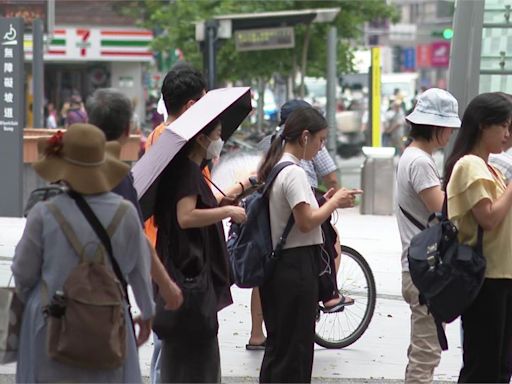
(448, 274)
(249, 244)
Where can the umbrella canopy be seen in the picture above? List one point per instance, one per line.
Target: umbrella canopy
(230, 105)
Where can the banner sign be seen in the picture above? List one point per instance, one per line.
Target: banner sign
(409, 59)
(12, 114)
(440, 54)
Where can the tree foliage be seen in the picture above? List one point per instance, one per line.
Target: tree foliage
(173, 23)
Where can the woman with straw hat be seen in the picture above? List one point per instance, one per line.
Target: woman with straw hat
(78, 158)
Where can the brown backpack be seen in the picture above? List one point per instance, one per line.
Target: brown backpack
(86, 324)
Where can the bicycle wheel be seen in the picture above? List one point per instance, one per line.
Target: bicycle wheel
(355, 279)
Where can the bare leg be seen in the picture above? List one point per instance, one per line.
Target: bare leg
(337, 246)
(257, 335)
(337, 262)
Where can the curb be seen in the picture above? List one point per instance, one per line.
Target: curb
(9, 379)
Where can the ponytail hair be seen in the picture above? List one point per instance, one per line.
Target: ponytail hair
(273, 155)
(300, 120)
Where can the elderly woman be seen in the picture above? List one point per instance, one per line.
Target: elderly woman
(44, 257)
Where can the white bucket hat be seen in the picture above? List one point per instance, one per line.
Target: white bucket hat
(436, 107)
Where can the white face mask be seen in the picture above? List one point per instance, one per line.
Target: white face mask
(214, 148)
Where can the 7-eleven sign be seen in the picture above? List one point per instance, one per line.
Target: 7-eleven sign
(83, 40)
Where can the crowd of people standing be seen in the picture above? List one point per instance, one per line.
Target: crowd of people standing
(183, 243)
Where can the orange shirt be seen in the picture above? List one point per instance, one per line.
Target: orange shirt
(149, 225)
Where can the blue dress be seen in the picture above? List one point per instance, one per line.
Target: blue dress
(44, 253)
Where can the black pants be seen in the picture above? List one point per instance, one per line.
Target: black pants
(190, 361)
(487, 328)
(328, 284)
(290, 300)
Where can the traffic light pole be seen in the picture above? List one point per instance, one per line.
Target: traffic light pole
(331, 90)
(38, 74)
(211, 27)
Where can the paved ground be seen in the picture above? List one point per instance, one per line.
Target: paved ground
(380, 355)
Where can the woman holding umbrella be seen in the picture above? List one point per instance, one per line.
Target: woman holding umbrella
(191, 243)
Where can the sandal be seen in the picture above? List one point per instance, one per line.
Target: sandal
(256, 347)
(340, 306)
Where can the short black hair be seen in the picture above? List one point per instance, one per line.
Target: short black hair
(181, 84)
(423, 131)
(111, 111)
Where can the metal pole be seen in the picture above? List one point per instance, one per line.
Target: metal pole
(38, 73)
(466, 48)
(376, 97)
(331, 90)
(211, 39)
(369, 129)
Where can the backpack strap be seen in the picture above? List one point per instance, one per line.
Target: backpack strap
(282, 240)
(66, 228)
(118, 216)
(101, 233)
(70, 235)
(411, 218)
(291, 220)
(273, 174)
(479, 246)
(441, 335)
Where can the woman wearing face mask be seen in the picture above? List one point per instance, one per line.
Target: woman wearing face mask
(190, 238)
(290, 296)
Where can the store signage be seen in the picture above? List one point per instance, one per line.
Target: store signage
(12, 113)
(409, 61)
(97, 44)
(264, 38)
(423, 56)
(440, 54)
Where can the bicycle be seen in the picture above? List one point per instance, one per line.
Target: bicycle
(355, 279)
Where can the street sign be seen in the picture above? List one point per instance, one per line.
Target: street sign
(264, 38)
(12, 114)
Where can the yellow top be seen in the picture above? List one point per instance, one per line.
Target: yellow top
(473, 180)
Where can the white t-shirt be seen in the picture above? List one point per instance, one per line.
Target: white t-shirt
(503, 161)
(416, 172)
(290, 188)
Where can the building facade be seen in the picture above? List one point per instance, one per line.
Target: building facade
(92, 46)
(421, 41)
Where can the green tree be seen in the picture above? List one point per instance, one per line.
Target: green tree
(174, 20)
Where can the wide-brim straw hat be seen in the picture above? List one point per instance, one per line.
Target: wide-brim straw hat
(81, 157)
